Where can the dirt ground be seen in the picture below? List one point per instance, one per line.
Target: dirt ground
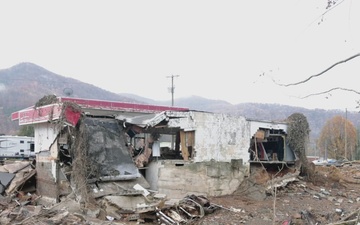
(331, 197)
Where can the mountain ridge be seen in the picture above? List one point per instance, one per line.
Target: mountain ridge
(24, 84)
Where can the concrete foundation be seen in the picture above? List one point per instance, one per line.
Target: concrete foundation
(177, 179)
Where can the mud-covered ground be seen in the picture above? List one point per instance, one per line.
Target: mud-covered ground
(333, 197)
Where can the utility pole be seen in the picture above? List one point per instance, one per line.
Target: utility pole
(172, 88)
(326, 142)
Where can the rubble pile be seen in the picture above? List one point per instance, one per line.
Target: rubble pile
(114, 210)
(112, 202)
(14, 176)
(333, 199)
(18, 198)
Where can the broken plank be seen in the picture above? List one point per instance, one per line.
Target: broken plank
(184, 149)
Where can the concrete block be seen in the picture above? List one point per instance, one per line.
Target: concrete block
(213, 172)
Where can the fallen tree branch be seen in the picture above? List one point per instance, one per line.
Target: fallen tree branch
(356, 212)
(345, 221)
(328, 9)
(319, 74)
(332, 89)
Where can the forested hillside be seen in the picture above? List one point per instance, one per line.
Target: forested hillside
(270, 112)
(24, 84)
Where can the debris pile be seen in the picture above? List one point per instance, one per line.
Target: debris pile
(14, 176)
(46, 100)
(138, 205)
(18, 198)
(115, 202)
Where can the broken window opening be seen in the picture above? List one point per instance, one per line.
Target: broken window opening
(270, 154)
(162, 146)
(269, 146)
(64, 141)
(143, 150)
(183, 146)
(187, 140)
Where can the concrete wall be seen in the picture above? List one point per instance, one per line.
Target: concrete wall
(218, 137)
(176, 179)
(220, 162)
(45, 135)
(46, 161)
(152, 173)
(221, 159)
(46, 181)
(219, 165)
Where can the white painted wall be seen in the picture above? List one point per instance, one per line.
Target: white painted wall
(45, 135)
(218, 137)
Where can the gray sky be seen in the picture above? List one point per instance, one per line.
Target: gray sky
(227, 50)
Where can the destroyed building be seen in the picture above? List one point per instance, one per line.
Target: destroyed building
(106, 147)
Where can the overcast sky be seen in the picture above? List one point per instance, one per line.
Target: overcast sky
(226, 50)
